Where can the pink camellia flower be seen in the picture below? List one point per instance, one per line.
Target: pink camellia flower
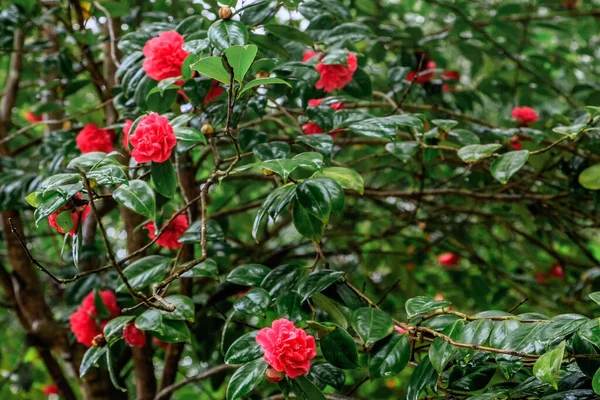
(126, 129)
(287, 348)
(49, 389)
(336, 76)
(134, 336)
(164, 56)
(424, 77)
(83, 321)
(449, 259)
(515, 143)
(92, 138)
(274, 375)
(400, 330)
(214, 92)
(524, 115)
(308, 55)
(170, 237)
(79, 213)
(153, 139)
(31, 117)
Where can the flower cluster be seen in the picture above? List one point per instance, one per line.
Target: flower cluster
(92, 138)
(164, 56)
(524, 115)
(85, 322)
(557, 272)
(170, 237)
(287, 348)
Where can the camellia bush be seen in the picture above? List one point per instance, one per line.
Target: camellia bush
(309, 199)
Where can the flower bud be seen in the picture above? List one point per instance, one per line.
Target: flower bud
(225, 13)
(99, 341)
(274, 375)
(207, 130)
(262, 74)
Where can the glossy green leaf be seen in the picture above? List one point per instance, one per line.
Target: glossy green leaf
(144, 272)
(164, 178)
(289, 305)
(327, 374)
(346, 177)
(423, 305)
(305, 389)
(246, 378)
(371, 324)
(263, 81)
(442, 352)
(253, 302)
(114, 327)
(137, 196)
(289, 33)
(547, 367)
(422, 377)
(240, 58)
(212, 67)
(317, 282)
(248, 274)
(244, 349)
(389, 356)
(90, 358)
(225, 34)
(589, 178)
(476, 152)
(505, 166)
(339, 349)
(206, 269)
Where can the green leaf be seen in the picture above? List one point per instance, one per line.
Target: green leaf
(272, 151)
(90, 358)
(371, 324)
(262, 81)
(145, 272)
(188, 134)
(385, 127)
(389, 356)
(114, 327)
(596, 297)
(214, 232)
(314, 197)
(327, 374)
(505, 166)
(167, 330)
(206, 269)
(282, 279)
(589, 178)
(248, 274)
(475, 332)
(360, 86)
(570, 131)
(246, 378)
(34, 199)
(89, 161)
(423, 305)
(282, 167)
(137, 196)
(65, 221)
(476, 152)
(275, 202)
(321, 142)
(306, 223)
(253, 302)
(310, 160)
(463, 137)
(445, 125)
(244, 349)
(330, 307)
(212, 67)
(442, 352)
(305, 389)
(184, 308)
(224, 34)
(547, 367)
(346, 177)
(289, 33)
(164, 178)
(317, 282)
(403, 150)
(240, 58)
(289, 305)
(596, 382)
(114, 376)
(349, 31)
(423, 376)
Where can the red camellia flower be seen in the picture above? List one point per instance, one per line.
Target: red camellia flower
(336, 76)
(153, 139)
(515, 143)
(310, 128)
(451, 79)
(126, 129)
(91, 138)
(317, 102)
(557, 272)
(424, 77)
(308, 55)
(524, 115)
(31, 117)
(84, 322)
(449, 259)
(214, 92)
(169, 238)
(77, 214)
(164, 56)
(134, 336)
(49, 389)
(287, 348)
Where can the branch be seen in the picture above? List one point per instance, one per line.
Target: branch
(196, 378)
